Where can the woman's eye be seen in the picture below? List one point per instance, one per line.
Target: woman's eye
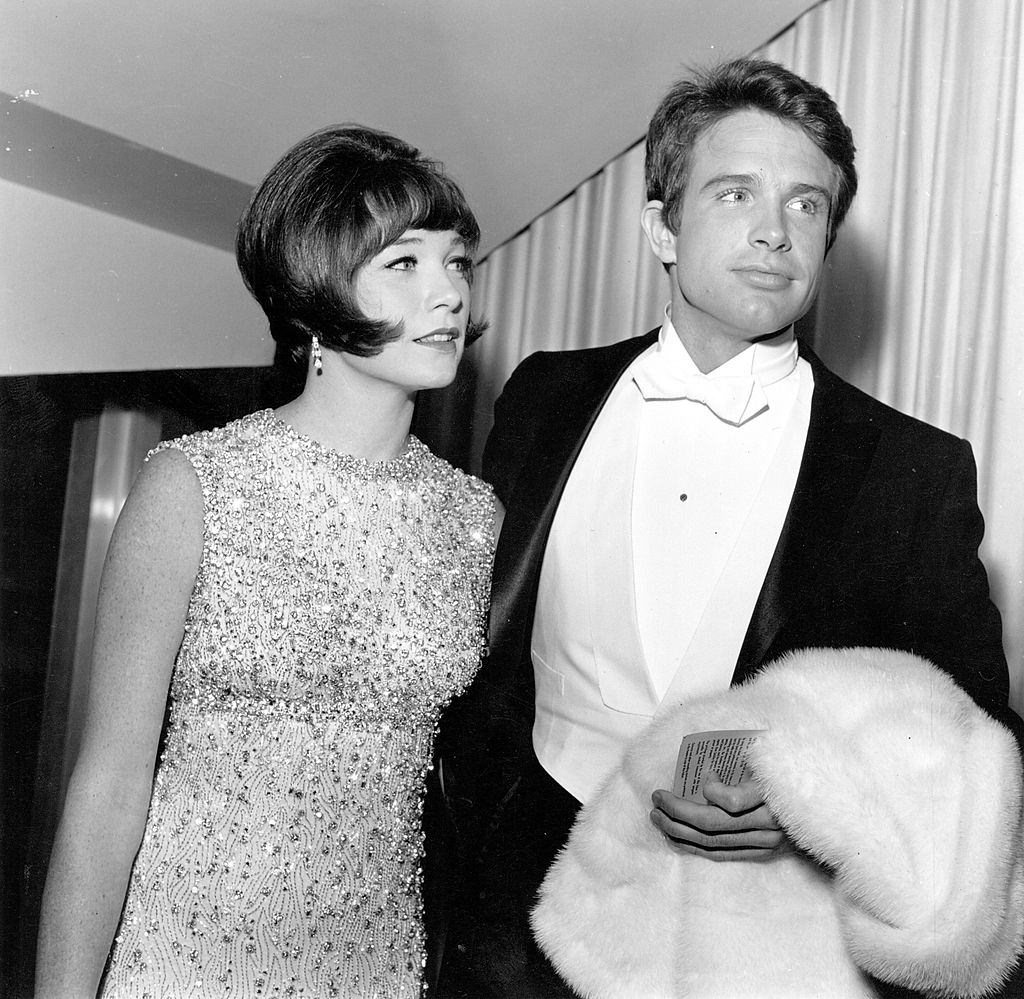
(462, 264)
(402, 264)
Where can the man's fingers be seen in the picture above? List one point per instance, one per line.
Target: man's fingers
(738, 799)
(711, 817)
(734, 824)
(747, 854)
(706, 840)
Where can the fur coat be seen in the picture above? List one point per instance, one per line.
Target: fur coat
(902, 800)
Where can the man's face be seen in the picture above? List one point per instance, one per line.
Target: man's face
(751, 235)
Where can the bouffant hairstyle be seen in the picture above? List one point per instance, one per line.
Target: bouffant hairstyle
(693, 105)
(328, 206)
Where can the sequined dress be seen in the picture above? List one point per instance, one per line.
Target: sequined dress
(338, 607)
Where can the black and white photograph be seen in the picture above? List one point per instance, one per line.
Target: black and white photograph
(512, 500)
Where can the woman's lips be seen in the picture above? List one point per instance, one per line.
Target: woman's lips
(444, 340)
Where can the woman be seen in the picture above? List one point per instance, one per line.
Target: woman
(311, 585)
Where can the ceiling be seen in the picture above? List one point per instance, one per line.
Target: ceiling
(167, 113)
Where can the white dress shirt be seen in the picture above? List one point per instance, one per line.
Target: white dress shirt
(694, 483)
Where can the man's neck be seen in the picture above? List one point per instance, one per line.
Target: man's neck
(709, 353)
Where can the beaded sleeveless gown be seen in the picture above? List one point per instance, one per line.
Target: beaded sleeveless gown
(338, 607)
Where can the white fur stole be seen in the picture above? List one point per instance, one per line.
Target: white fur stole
(880, 768)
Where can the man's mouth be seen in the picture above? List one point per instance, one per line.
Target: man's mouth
(764, 277)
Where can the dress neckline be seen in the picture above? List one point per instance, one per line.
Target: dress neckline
(408, 459)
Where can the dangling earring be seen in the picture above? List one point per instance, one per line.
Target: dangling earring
(318, 358)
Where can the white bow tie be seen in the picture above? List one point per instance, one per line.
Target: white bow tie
(732, 398)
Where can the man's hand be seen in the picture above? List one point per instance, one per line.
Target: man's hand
(735, 824)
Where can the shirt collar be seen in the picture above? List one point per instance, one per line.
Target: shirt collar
(769, 361)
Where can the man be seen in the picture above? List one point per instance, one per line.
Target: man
(685, 506)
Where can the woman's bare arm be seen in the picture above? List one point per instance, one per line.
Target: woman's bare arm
(147, 580)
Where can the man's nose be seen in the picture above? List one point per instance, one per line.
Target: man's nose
(769, 231)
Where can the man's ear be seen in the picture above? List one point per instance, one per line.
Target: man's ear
(659, 235)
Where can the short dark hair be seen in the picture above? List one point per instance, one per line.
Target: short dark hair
(694, 104)
(330, 204)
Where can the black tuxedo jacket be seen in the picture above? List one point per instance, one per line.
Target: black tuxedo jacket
(879, 548)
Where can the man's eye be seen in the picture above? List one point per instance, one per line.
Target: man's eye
(734, 196)
(805, 205)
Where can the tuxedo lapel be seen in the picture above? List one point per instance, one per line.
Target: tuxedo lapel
(584, 388)
(841, 442)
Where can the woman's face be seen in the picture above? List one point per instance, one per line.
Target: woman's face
(420, 281)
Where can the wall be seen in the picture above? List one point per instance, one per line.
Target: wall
(83, 290)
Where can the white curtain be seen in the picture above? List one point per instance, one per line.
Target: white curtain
(923, 306)
(923, 300)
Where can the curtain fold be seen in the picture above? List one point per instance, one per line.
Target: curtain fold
(922, 299)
